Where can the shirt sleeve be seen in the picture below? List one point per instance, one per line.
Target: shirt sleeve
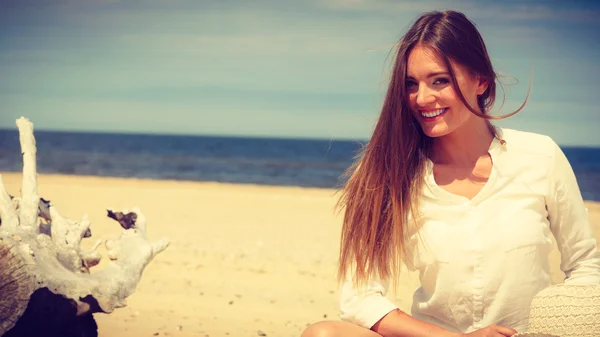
(364, 305)
(570, 224)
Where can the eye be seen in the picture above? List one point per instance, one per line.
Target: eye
(410, 85)
(441, 81)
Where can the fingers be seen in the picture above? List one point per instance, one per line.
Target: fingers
(505, 331)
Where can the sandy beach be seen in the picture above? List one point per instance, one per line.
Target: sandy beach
(244, 260)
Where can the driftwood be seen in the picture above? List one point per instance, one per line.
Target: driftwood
(46, 287)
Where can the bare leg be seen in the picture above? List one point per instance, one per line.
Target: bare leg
(337, 329)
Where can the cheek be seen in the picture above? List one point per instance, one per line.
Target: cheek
(468, 90)
(412, 104)
(449, 95)
(412, 98)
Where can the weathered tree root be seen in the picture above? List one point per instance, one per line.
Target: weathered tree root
(45, 284)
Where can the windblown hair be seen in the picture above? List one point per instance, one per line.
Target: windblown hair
(384, 184)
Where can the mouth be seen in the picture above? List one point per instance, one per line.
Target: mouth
(429, 115)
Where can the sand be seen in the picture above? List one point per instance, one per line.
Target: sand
(244, 260)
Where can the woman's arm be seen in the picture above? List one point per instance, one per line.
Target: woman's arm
(368, 307)
(366, 304)
(398, 323)
(570, 224)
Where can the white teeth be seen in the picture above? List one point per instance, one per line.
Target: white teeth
(433, 113)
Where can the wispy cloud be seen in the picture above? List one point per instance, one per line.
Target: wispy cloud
(507, 11)
(267, 63)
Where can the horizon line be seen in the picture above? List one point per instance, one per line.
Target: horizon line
(236, 136)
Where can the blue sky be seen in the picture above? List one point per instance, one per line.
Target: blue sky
(312, 68)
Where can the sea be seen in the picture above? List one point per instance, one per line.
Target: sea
(263, 161)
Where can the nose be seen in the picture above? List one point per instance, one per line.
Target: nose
(424, 95)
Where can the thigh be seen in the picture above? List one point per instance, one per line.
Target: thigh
(337, 329)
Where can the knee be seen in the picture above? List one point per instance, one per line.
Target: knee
(320, 329)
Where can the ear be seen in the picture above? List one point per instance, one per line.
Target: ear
(482, 86)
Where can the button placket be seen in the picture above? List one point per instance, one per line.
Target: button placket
(478, 271)
(478, 286)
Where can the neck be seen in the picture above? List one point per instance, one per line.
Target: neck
(464, 146)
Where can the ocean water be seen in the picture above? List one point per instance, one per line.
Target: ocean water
(287, 162)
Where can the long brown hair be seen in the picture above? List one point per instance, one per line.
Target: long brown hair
(384, 184)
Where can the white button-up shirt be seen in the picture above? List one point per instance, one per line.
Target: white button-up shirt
(481, 261)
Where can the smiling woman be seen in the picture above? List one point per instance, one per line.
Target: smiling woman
(470, 206)
(432, 95)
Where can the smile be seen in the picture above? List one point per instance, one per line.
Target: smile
(433, 113)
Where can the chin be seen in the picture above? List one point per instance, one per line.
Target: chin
(435, 132)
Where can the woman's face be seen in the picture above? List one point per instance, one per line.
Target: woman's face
(433, 101)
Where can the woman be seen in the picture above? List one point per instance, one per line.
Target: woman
(470, 206)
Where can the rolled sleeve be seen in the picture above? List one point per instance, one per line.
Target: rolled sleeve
(365, 305)
(570, 224)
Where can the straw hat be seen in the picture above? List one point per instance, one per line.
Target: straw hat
(565, 310)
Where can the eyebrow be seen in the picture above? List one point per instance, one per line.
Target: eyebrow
(432, 74)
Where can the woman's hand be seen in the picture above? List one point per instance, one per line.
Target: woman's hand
(492, 331)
